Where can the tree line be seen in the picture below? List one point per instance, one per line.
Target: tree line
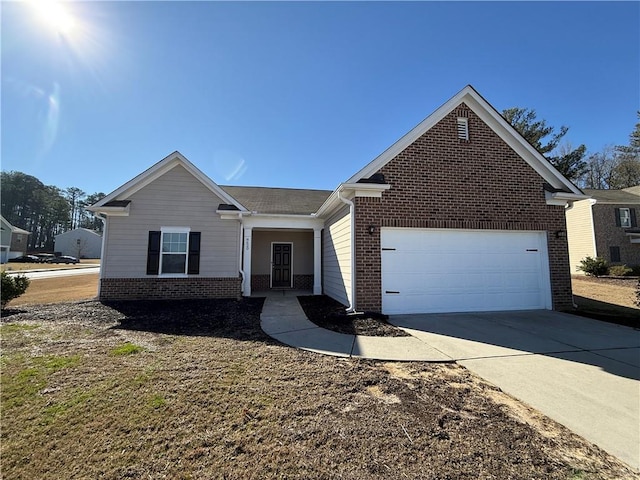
(45, 210)
(614, 167)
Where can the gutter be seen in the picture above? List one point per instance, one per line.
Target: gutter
(350, 308)
(103, 218)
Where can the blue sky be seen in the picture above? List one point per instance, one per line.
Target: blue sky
(294, 94)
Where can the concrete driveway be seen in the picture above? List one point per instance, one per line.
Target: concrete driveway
(583, 373)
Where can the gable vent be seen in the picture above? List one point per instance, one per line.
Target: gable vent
(463, 128)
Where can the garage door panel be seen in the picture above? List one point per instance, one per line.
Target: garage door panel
(463, 270)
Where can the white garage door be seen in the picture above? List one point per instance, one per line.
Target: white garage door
(433, 270)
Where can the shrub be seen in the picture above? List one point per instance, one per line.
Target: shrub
(620, 270)
(594, 266)
(12, 287)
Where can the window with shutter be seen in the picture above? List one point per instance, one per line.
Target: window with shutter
(173, 251)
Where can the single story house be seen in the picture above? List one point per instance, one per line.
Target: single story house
(79, 243)
(460, 214)
(605, 226)
(13, 241)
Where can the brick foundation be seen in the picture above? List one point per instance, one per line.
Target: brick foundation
(262, 282)
(441, 181)
(154, 288)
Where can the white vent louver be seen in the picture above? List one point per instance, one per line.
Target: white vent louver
(463, 128)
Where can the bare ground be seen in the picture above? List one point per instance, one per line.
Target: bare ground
(203, 393)
(617, 291)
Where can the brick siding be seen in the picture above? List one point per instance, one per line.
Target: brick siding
(262, 282)
(440, 181)
(155, 288)
(609, 235)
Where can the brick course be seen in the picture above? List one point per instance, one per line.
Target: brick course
(155, 288)
(440, 181)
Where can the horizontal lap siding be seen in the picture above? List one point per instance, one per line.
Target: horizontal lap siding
(176, 199)
(336, 261)
(580, 234)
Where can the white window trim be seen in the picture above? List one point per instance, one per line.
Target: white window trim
(625, 217)
(164, 230)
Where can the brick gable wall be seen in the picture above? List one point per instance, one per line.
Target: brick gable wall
(440, 181)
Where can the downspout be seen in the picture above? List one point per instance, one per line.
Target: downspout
(350, 308)
(103, 248)
(241, 253)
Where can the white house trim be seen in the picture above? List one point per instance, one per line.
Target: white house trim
(494, 120)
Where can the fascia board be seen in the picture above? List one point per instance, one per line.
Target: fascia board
(350, 190)
(159, 169)
(487, 113)
(110, 211)
(410, 137)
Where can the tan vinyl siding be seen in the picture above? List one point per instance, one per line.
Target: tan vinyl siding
(336, 264)
(580, 234)
(176, 199)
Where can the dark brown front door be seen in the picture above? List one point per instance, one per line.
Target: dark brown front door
(281, 265)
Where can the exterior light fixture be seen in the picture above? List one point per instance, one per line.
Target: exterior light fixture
(372, 229)
(561, 234)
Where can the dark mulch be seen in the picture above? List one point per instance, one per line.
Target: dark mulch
(327, 313)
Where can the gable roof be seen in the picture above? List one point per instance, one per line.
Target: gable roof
(80, 229)
(494, 120)
(119, 195)
(12, 228)
(614, 196)
(283, 201)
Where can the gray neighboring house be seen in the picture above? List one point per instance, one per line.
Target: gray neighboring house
(13, 242)
(79, 243)
(606, 226)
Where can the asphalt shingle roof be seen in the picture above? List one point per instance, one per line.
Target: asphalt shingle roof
(613, 196)
(291, 201)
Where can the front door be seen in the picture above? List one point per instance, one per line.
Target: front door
(281, 265)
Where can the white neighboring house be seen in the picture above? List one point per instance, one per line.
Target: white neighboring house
(14, 241)
(79, 243)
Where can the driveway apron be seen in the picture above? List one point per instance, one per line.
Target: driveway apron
(583, 373)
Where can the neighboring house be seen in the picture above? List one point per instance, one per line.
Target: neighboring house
(606, 226)
(13, 241)
(460, 214)
(79, 243)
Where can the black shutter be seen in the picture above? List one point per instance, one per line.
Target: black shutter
(193, 267)
(618, 224)
(634, 222)
(153, 253)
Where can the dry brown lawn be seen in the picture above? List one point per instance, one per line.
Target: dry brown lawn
(15, 267)
(612, 291)
(59, 289)
(178, 390)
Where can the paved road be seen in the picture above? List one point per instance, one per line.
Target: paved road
(57, 273)
(583, 373)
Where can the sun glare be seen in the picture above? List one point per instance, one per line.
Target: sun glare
(55, 15)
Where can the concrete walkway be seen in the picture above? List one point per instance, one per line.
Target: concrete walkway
(282, 318)
(583, 373)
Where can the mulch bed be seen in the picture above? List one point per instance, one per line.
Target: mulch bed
(327, 313)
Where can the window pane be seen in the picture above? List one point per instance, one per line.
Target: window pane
(173, 263)
(625, 217)
(174, 242)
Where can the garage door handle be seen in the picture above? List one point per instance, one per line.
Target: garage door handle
(532, 249)
(390, 291)
(383, 249)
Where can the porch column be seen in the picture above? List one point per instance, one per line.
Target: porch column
(246, 261)
(317, 261)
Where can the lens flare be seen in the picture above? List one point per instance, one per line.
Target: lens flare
(55, 15)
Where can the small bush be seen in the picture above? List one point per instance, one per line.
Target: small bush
(13, 287)
(620, 270)
(595, 267)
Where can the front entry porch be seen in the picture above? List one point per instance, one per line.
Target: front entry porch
(281, 259)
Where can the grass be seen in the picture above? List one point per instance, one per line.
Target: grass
(225, 401)
(127, 349)
(58, 290)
